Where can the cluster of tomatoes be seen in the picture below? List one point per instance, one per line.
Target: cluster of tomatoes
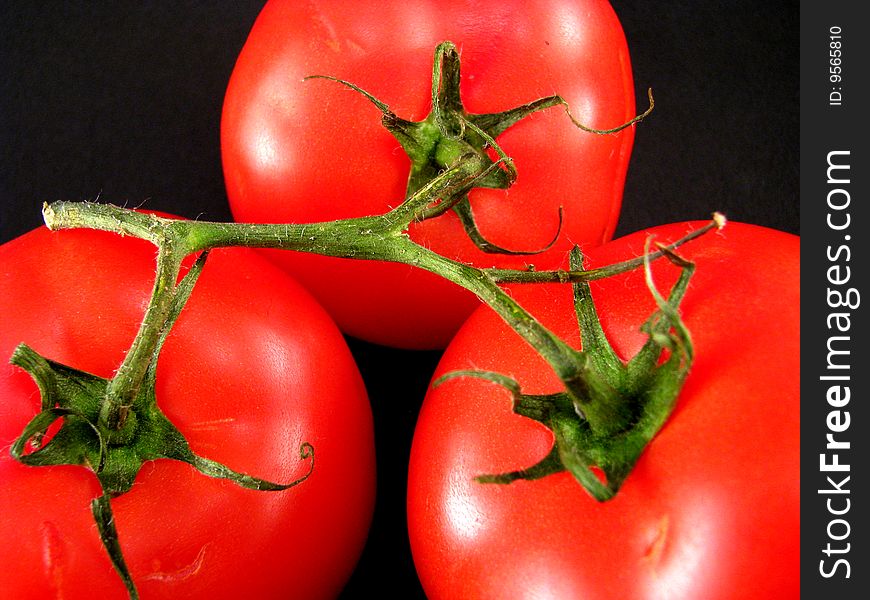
(257, 364)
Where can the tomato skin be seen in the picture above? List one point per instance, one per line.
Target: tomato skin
(252, 369)
(712, 508)
(304, 151)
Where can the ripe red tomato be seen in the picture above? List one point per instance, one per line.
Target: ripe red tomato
(303, 151)
(711, 509)
(252, 369)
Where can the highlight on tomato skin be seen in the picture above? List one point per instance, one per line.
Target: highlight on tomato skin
(712, 508)
(297, 150)
(253, 368)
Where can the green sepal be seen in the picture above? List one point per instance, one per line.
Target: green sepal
(610, 412)
(67, 447)
(549, 465)
(450, 135)
(66, 394)
(466, 217)
(101, 509)
(116, 455)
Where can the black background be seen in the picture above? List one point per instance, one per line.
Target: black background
(121, 101)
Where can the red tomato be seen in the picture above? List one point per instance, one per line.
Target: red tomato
(252, 369)
(711, 509)
(303, 151)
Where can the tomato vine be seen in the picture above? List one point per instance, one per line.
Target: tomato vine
(123, 427)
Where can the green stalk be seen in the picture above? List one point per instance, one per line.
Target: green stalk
(606, 415)
(373, 238)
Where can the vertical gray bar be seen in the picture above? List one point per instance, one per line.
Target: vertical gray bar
(835, 261)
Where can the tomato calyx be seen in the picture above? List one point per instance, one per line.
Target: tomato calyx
(451, 135)
(611, 409)
(115, 440)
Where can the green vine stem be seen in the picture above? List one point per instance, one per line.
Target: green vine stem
(113, 426)
(380, 237)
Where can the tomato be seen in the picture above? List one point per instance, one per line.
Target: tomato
(303, 151)
(711, 510)
(253, 368)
